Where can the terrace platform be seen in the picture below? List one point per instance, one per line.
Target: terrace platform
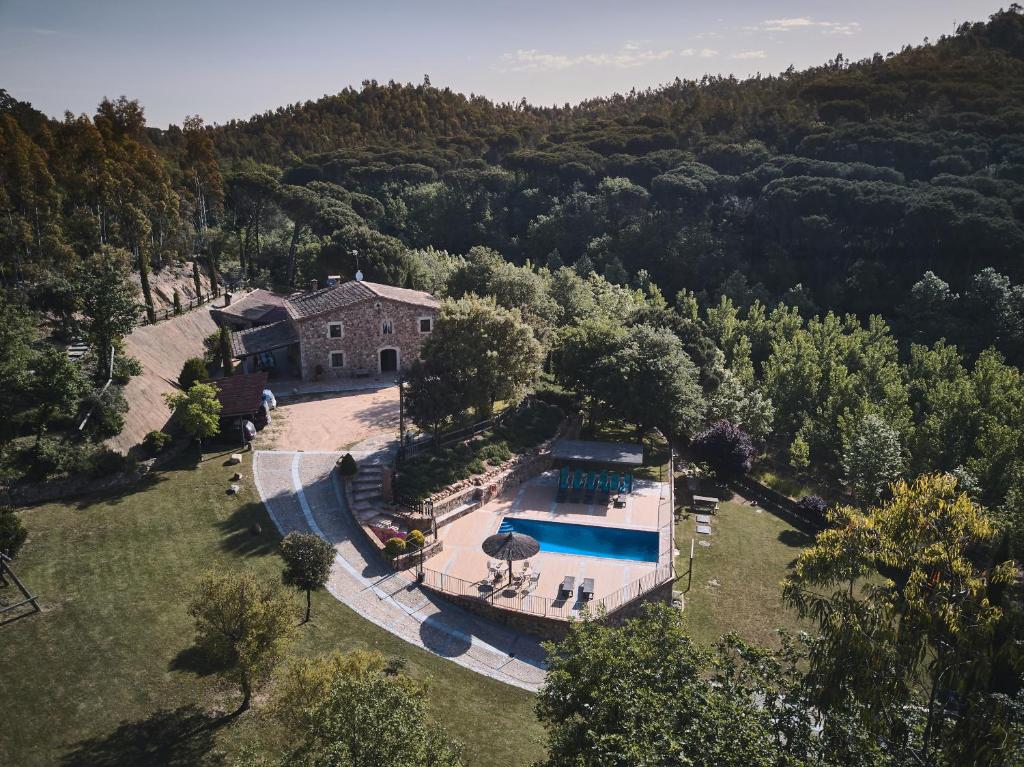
(648, 508)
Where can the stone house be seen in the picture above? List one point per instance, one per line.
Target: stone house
(346, 329)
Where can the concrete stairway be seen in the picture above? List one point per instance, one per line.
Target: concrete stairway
(367, 488)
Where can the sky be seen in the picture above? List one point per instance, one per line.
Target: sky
(226, 59)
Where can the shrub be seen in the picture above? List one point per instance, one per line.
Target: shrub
(176, 301)
(415, 540)
(211, 344)
(49, 456)
(108, 409)
(125, 368)
(725, 448)
(12, 531)
(394, 546)
(156, 441)
(193, 371)
(105, 462)
(347, 466)
(812, 507)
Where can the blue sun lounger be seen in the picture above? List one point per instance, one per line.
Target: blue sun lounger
(578, 484)
(591, 486)
(602, 485)
(613, 482)
(563, 483)
(627, 484)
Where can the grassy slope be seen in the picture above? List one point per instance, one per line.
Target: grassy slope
(104, 676)
(750, 555)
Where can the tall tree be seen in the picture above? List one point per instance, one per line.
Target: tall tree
(307, 564)
(489, 352)
(908, 643)
(109, 304)
(244, 626)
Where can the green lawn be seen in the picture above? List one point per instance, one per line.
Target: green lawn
(736, 581)
(104, 675)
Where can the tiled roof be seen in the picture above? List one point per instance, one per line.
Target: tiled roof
(328, 299)
(241, 394)
(403, 295)
(253, 306)
(352, 292)
(263, 339)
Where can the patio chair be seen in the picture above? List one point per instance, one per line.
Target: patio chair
(587, 590)
(563, 484)
(531, 583)
(567, 587)
(577, 484)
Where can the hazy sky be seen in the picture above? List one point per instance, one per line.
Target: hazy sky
(232, 58)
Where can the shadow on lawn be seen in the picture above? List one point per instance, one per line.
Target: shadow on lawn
(179, 737)
(796, 538)
(249, 532)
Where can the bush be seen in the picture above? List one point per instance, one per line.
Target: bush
(108, 409)
(125, 368)
(211, 344)
(50, 456)
(725, 448)
(415, 540)
(193, 371)
(812, 507)
(105, 462)
(176, 301)
(394, 547)
(12, 532)
(347, 466)
(156, 441)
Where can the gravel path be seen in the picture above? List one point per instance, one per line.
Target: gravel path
(301, 492)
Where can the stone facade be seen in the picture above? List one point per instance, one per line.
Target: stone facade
(363, 338)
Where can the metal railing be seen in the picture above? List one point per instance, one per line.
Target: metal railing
(634, 590)
(497, 595)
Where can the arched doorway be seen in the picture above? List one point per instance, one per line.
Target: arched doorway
(388, 360)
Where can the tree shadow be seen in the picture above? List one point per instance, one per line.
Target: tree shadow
(796, 538)
(179, 737)
(441, 640)
(249, 532)
(196, 660)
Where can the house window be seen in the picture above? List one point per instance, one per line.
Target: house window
(335, 330)
(387, 327)
(337, 359)
(426, 324)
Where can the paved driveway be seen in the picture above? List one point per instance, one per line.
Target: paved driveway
(332, 421)
(301, 492)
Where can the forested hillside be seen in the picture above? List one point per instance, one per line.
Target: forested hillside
(892, 186)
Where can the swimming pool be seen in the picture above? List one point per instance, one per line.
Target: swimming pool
(587, 540)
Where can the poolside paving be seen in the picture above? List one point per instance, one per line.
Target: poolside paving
(301, 492)
(646, 508)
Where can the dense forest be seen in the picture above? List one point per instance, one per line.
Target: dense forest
(831, 243)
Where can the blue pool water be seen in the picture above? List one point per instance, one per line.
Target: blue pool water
(587, 540)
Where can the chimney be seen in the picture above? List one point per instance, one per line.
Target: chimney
(312, 286)
(227, 298)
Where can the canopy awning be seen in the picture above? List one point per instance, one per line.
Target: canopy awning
(604, 453)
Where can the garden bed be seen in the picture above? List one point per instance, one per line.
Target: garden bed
(490, 452)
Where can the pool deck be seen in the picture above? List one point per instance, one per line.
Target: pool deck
(646, 508)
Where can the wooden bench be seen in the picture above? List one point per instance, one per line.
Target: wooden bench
(361, 372)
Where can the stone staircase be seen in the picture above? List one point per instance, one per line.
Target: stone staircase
(367, 489)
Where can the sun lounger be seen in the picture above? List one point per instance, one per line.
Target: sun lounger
(613, 482)
(567, 587)
(578, 483)
(627, 484)
(587, 590)
(563, 484)
(591, 487)
(602, 485)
